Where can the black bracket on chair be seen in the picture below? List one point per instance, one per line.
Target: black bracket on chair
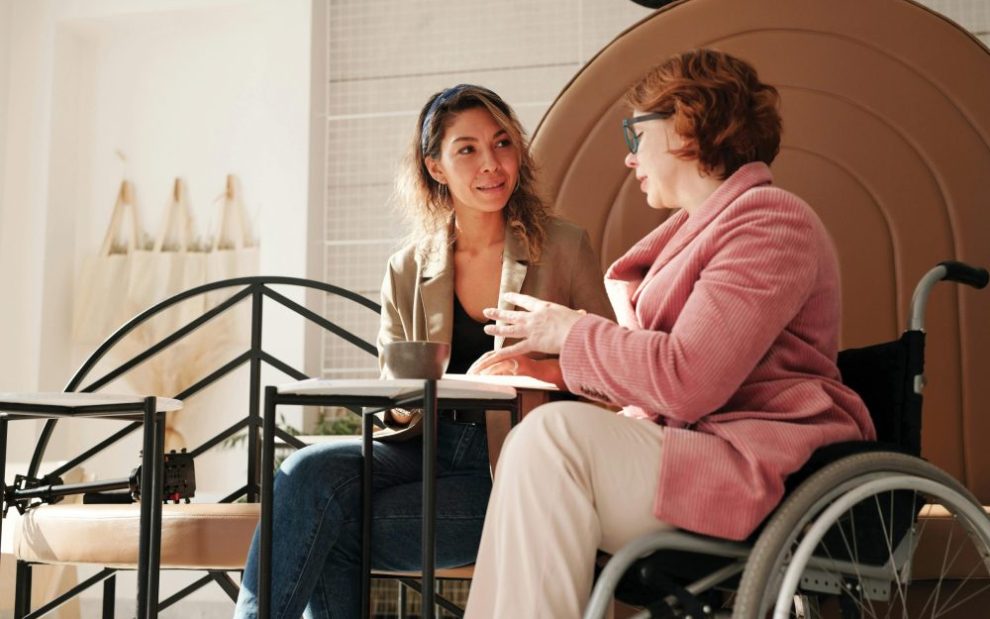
(179, 478)
(27, 492)
(689, 604)
(20, 493)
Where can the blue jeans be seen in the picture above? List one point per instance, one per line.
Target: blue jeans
(316, 562)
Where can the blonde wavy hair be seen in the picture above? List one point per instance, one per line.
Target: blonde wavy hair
(427, 203)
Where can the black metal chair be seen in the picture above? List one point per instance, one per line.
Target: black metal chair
(209, 537)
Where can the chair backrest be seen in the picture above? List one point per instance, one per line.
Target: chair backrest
(883, 375)
(231, 335)
(886, 134)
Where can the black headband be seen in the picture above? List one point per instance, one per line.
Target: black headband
(442, 98)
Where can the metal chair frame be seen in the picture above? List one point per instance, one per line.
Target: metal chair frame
(247, 289)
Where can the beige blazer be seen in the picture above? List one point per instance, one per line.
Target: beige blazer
(418, 289)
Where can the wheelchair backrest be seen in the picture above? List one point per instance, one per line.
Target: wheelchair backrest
(883, 375)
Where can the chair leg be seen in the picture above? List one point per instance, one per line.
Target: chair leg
(109, 596)
(401, 610)
(437, 591)
(22, 590)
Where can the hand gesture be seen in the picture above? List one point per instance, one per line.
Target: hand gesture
(540, 326)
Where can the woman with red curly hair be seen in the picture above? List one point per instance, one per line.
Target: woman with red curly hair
(722, 359)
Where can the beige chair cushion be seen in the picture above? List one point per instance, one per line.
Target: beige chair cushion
(214, 536)
(193, 536)
(465, 572)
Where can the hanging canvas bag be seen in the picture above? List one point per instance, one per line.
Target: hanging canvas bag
(177, 262)
(100, 305)
(234, 254)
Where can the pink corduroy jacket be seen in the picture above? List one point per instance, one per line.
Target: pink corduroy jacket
(728, 324)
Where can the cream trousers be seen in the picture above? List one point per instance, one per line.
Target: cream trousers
(572, 478)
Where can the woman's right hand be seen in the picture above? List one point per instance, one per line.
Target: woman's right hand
(547, 370)
(540, 326)
(502, 367)
(399, 416)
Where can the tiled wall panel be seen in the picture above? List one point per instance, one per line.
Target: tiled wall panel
(404, 95)
(361, 213)
(343, 360)
(363, 150)
(385, 38)
(973, 15)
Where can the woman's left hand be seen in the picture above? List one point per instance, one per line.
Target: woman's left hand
(540, 327)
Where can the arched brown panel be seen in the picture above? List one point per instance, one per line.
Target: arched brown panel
(886, 134)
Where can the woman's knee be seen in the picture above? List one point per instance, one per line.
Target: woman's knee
(553, 428)
(312, 466)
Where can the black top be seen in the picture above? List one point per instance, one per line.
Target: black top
(469, 340)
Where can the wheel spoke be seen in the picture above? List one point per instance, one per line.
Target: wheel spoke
(938, 586)
(853, 554)
(960, 587)
(868, 545)
(964, 600)
(888, 535)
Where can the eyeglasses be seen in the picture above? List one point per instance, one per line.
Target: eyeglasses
(632, 138)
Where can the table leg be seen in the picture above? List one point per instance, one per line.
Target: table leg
(109, 597)
(267, 496)
(367, 470)
(3, 472)
(22, 592)
(157, 490)
(144, 530)
(430, 423)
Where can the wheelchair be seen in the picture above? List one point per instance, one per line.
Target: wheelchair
(865, 529)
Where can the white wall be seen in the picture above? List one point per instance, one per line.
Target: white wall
(23, 200)
(5, 8)
(5, 45)
(192, 88)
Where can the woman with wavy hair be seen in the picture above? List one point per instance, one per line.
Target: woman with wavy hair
(727, 338)
(480, 231)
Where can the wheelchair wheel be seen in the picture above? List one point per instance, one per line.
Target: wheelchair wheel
(878, 534)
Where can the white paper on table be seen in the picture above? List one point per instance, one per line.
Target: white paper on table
(507, 380)
(453, 388)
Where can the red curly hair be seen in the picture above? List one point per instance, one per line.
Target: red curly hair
(725, 114)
